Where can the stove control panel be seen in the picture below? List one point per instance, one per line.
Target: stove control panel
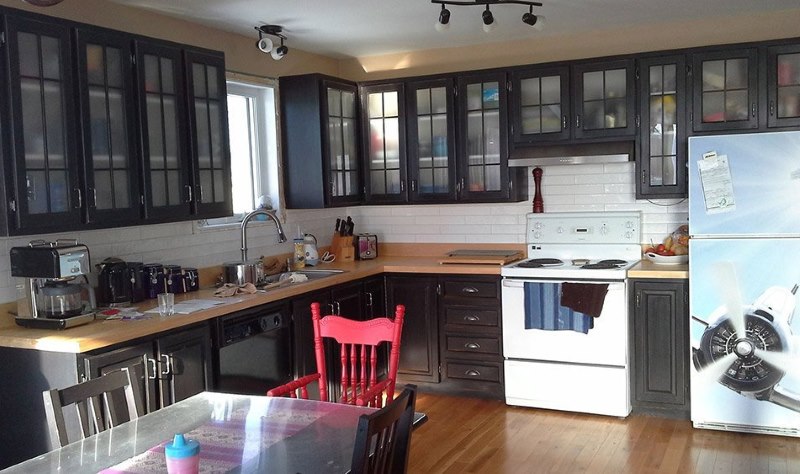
(622, 227)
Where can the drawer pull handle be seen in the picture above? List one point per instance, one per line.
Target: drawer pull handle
(469, 289)
(471, 318)
(472, 373)
(472, 345)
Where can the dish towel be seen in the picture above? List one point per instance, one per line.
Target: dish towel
(543, 310)
(587, 298)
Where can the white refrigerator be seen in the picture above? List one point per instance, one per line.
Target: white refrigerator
(744, 268)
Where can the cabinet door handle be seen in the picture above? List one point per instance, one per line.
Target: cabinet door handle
(199, 193)
(79, 198)
(472, 373)
(578, 121)
(167, 360)
(564, 122)
(333, 310)
(753, 109)
(471, 318)
(771, 108)
(402, 185)
(413, 185)
(188, 192)
(469, 289)
(93, 192)
(472, 345)
(154, 372)
(338, 308)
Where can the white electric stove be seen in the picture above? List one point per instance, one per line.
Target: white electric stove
(570, 369)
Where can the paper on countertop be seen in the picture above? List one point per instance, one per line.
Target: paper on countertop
(717, 184)
(191, 306)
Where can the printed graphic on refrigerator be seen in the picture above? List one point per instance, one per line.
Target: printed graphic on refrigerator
(744, 272)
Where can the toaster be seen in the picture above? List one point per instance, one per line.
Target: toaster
(366, 246)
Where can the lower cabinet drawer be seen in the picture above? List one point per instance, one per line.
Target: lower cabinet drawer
(472, 344)
(471, 371)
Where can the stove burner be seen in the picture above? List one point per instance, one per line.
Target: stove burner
(540, 262)
(605, 264)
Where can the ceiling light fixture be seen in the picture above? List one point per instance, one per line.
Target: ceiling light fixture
(528, 18)
(444, 19)
(266, 45)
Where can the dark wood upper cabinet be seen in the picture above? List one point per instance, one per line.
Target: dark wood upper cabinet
(42, 168)
(661, 161)
(540, 105)
(783, 86)
(384, 143)
(725, 90)
(431, 139)
(208, 123)
(163, 127)
(604, 98)
(319, 130)
(108, 118)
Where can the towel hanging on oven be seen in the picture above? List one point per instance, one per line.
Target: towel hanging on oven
(543, 310)
(587, 298)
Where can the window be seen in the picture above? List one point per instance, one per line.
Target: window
(254, 153)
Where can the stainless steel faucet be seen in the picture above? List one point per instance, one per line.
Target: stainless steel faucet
(260, 212)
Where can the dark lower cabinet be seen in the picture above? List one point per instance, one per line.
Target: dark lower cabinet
(419, 350)
(173, 366)
(660, 362)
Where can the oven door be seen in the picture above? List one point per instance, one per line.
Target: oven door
(605, 344)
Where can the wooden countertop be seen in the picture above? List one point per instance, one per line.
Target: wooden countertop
(100, 334)
(648, 269)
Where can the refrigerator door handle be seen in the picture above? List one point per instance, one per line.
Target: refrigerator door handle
(785, 398)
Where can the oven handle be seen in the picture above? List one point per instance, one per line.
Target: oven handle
(612, 285)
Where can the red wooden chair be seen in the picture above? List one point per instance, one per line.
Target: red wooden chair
(359, 341)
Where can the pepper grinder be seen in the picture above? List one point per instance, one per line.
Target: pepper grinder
(538, 203)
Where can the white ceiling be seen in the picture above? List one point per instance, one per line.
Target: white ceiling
(356, 28)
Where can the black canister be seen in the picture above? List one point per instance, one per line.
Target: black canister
(191, 279)
(152, 274)
(114, 286)
(136, 271)
(173, 280)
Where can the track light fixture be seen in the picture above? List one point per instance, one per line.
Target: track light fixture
(444, 19)
(266, 45)
(528, 18)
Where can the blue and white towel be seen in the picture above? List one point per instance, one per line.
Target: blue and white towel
(543, 310)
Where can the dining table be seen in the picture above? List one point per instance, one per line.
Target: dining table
(236, 433)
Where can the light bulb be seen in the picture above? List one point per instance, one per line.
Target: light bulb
(540, 19)
(441, 26)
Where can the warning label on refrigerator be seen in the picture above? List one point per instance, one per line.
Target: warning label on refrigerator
(715, 177)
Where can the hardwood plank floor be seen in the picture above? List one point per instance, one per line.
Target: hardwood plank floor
(467, 435)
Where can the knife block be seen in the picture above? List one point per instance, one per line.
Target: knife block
(342, 247)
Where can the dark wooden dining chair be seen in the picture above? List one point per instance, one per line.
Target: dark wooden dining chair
(95, 401)
(358, 351)
(383, 438)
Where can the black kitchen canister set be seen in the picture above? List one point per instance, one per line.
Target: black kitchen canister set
(121, 282)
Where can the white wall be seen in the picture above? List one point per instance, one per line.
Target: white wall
(564, 188)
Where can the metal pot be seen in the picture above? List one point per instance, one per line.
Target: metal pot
(250, 271)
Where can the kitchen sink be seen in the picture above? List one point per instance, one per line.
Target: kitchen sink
(310, 274)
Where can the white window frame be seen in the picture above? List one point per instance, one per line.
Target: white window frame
(265, 168)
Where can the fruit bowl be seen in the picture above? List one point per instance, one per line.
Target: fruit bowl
(667, 259)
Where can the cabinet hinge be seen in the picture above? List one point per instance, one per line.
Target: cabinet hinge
(133, 58)
(636, 73)
(141, 199)
(12, 205)
(439, 368)
(688, 69)
(508, 86)
(638, 299)
(3, 38)
(638, 120)
(510, 185)
(439, 289)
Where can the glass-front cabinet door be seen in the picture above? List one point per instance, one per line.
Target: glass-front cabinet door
(604, 99)
(341, 148)
(208, 121)
(482, 155)
(384, 143)
(168, 190)
(661, 162)
(725, 90)
(431, 140)
(108, 117)
(783, 86)
(47, 191)
(540, 105)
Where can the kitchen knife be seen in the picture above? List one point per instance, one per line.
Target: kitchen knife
(350, 225)
(338, 222)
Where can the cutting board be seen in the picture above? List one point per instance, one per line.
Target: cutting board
(481, 257)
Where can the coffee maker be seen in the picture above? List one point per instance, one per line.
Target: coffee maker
(52, 283)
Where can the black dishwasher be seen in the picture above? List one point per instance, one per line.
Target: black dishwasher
(254, 350)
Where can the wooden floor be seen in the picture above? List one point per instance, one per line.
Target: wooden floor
(466, 435)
